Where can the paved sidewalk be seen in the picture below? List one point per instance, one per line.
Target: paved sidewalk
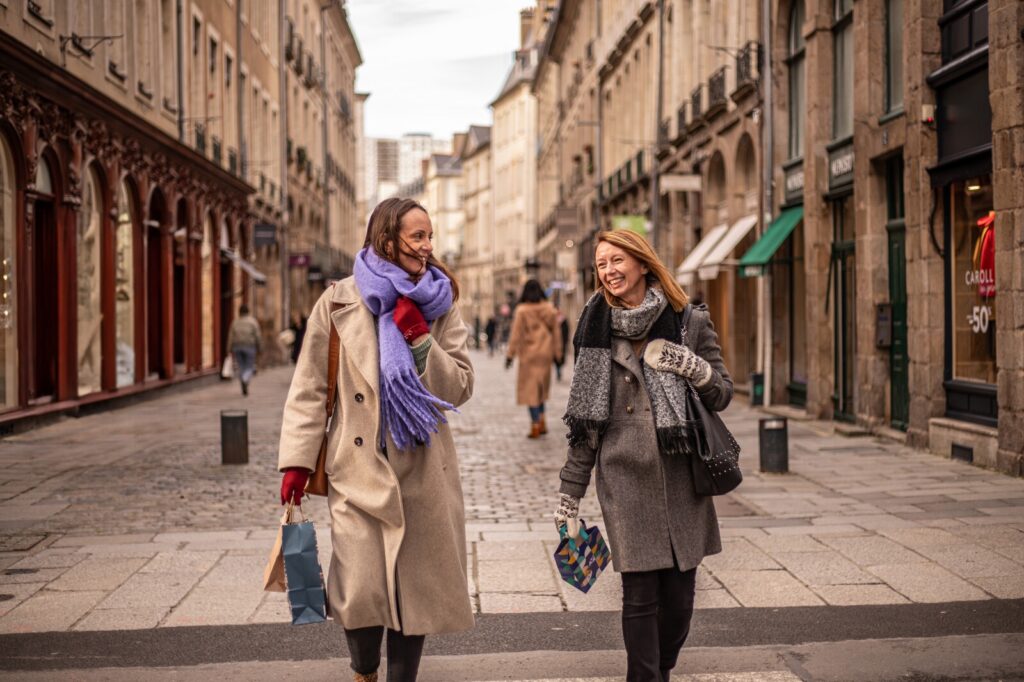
(127, 520)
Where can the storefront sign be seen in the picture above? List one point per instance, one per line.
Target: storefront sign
(679, 182)
(264, 234)
(298, 260)
(840, 167)
(795, 182)
(635, 223)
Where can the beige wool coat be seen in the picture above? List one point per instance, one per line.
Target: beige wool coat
(536, 340)
(397, 518)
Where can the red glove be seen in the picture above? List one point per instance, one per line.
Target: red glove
(410, 320)
(293, 484)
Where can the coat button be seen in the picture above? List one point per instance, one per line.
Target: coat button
(359, 397)
(359, 441)
(629, 379)
(629, 409)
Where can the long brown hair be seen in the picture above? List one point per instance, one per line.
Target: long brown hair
(638, 247)
(384, 227)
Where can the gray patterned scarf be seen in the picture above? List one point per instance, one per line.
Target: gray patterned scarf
(590, 395)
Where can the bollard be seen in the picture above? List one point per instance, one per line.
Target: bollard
(773, 440)
(234, 437)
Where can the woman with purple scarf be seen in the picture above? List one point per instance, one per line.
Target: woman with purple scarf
(398, 563)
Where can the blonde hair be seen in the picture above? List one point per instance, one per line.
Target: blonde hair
(638, 247)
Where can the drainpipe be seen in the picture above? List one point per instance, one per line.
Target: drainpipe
(327, 113)
(181, 72)
(658, 105)
(767, 164)
(282, 90)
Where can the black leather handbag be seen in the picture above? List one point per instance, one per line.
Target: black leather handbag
(714, 453)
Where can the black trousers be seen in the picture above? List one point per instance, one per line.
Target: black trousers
(404, 652)
(656, 610)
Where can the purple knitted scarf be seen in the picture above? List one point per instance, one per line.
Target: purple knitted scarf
(409, 411)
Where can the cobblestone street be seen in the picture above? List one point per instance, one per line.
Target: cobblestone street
(127, 519)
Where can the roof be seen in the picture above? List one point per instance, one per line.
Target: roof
(447, 164)
(519, 73)
(477, 138)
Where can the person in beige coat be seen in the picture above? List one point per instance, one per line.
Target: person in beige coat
(536, 339)
(397, 514)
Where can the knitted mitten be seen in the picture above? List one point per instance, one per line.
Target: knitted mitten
(666, 356)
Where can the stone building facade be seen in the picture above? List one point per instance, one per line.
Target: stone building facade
(514, 150)
(567, 90)
(143, 188)
(320, 59)
(892, 286)
(114, 223)
(475, 267)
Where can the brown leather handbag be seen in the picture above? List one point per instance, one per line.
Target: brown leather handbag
(317, 483)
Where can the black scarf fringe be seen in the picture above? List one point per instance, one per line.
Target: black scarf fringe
(677, 441)
(584, 431)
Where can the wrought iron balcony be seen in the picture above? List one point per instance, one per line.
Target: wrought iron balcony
(716, 90)
(696, 103)
(748, 63)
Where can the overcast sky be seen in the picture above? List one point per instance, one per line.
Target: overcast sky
(432, 66)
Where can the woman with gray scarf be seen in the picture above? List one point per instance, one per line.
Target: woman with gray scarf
(625, 412)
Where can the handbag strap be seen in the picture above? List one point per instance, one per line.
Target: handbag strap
(684, 321)
(333, 351)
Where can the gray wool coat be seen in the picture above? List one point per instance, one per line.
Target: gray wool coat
(647, 500)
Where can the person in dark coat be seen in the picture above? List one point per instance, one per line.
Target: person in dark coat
(633, 360)
(298, 327)
(490, 330)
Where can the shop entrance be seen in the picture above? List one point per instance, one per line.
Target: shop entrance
(45, 314)
(155, 326)
(844, 303)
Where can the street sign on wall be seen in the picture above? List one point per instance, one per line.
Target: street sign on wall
(679, 182)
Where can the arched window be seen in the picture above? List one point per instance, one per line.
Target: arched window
(44, 183)
(8, 299)
(797, 80)
(124, 285)
(207, 292)
(90, 352)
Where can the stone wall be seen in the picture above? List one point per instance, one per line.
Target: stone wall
(1006, 84)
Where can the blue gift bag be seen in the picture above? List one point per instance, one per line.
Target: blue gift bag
(581, 557)
(304, 579)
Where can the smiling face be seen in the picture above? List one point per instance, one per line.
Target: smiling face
(414, 248)
(621, 274)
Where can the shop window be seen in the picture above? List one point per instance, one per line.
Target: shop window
(124, 287)
(797, 80)
(842, 90)
(972, 285)
(8, 300)
(90, 317)
(893, 55)
(207, 292)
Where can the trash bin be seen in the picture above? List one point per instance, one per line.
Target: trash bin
(234, 437)
(773, 441)
(756, 389)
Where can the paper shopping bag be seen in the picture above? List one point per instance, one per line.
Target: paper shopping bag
(303, 577)
(273, 574)
(581, 557)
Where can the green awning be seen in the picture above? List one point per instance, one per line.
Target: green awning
(754, 260)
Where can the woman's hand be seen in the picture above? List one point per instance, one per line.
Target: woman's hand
(410, 320)
(568, 510)
(666, 356)
(293, 484)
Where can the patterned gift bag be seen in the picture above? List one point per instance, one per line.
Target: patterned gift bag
(581, 557)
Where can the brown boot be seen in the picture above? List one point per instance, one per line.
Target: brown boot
(534, 430)
(543, 425)
(372, 677)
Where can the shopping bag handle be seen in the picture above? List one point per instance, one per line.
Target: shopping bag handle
(578, 526)
(287, 518)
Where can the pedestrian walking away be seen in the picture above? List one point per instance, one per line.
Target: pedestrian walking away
(490, 331)
(245, 342)
(397, 515)
(563, 328)
(634, 359)
(536, 339)
(298, 327)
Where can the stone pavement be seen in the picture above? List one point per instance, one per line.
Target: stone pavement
(127, 519)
